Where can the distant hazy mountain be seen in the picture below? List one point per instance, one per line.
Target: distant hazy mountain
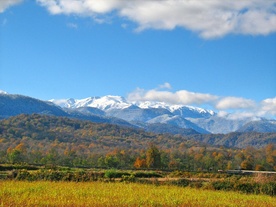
(12, 105)
(166, 128)
(259, 126)
(177, 121)
(88, 111)
(217, 124)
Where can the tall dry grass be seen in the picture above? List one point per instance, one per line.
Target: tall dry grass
(97, 194)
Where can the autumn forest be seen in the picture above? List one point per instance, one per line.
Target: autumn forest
(49, 140)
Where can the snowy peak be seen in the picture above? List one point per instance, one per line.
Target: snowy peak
(191, 112)
(182, 110)
(3, 92)
(108, 103)
(150, 105)
(64, 103)
(104, 103)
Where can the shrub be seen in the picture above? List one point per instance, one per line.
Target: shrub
(223, 185)
(196, 184)
(147, 175)
(179, 182)
(248, 187)
(269, 188)
(23, 175)
(128, 178)
(114, 174)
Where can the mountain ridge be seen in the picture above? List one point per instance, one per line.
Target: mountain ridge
(144, 115)
(150, 112)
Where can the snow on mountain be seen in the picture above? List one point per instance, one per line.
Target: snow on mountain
(103, 103)
(64, 103)
(262, 126)
(182, 110)
(110, 102)
(146, 112)
(178, 121)
(116, 109)
(3, 92)
(151, 104)
(191, 112)
(218, 124)
(149, 112)
(154, 112)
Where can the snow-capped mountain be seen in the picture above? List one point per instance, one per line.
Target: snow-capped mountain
(217, 124)
(144, 113)
(176, 120)
(3, 92)
(181, 110)
(140, 113)
(263, 126)
(157, 116)
(104, 103)
(107, 103)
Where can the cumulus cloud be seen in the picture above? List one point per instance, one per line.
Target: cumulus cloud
(81, 7)
(268, 106)
(210, 19)
(232, 107)
(4, 4)
(64, 6)
(235, 103)
(178, 97)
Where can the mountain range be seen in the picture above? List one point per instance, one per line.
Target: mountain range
(156, 117)
(148, 114)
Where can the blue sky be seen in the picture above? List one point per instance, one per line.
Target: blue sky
(215, 54)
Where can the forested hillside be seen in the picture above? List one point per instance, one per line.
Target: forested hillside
(41, 139)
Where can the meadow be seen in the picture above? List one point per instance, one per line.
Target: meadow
(97, 194)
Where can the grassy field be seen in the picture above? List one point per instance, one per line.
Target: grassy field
(42, 193)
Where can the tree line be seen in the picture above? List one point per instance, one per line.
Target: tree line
(50, 140)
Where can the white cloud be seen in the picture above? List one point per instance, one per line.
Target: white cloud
(268, 106)
(210, 19)
(4, 4)
(232, 107)
(241, 115)
(235, 103)
(65, 6)
(165, 86)
(81, 7)
(178, 97)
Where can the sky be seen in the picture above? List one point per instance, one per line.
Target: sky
(216, 54)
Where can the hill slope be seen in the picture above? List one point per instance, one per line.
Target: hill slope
(40, 127)
(259, 126)
(42, 139)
